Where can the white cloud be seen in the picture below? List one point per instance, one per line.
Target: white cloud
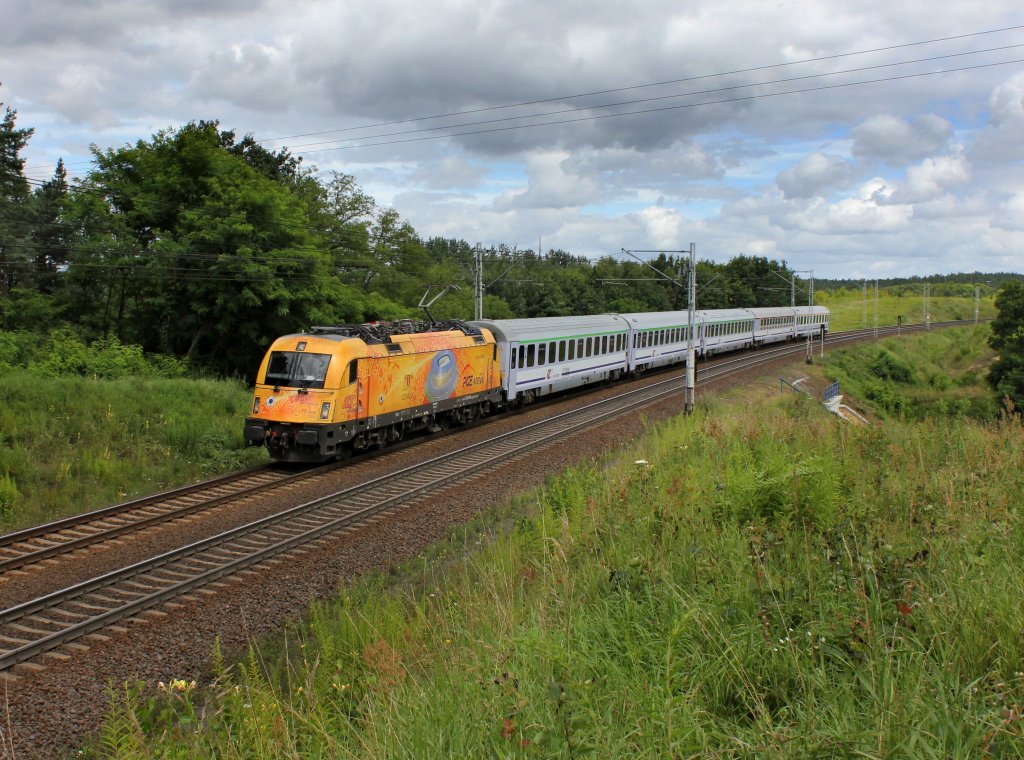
(664, 226)
(448, 173)
(1012, 214)
(897, 141)
(1000, 141)
(932, 178)
(916, 173)
(551, 185)
(815, 175)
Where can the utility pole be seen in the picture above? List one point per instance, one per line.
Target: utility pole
(691, 350)
(690, 391)
(810, 293)
(479, 282)
(865, 325)
(876, 309)
(976, 293)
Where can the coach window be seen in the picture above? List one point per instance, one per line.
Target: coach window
(589, 350)
(542, 350)
(522, 356)
(530, 355)
(572, 350)
(561, 350)
(512, 359)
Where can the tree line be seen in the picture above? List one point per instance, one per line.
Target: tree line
(201, 245)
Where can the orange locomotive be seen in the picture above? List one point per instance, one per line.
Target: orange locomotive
(340, 389)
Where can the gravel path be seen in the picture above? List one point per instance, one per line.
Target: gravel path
(53, 711)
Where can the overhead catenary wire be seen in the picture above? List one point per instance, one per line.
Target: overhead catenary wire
(682, 80)
(103, 193)
(575, 96)
(656, 98)
(598, 117)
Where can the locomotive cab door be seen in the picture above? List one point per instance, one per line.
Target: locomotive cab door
(359, 378)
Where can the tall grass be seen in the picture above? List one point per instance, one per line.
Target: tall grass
(776, 584)
(69, 444)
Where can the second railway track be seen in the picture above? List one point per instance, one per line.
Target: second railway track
(33, 545)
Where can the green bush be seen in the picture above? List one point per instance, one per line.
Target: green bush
(63, 352)
(887, 366)
(8, 498)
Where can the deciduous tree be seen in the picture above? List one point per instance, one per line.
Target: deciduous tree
(1007, 372)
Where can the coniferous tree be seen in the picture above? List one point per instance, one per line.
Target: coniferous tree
(51, 241)
(14, 197)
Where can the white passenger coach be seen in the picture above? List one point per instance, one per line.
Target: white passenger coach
(551, 354)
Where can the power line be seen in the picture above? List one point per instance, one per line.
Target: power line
(660, 97)
(649, 84)
(668, 108)
(575, 96)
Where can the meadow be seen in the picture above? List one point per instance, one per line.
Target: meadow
(850, 310)
(779, 584)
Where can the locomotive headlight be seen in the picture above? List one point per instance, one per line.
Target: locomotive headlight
(256, 405)
(325, 410)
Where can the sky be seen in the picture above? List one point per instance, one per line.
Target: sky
(863, 140)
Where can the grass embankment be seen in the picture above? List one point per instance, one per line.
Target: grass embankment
(938, 374)
(83, 425)
(848, 312)
(70, 444)
(769, 584)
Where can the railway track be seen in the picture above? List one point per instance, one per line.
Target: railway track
(33, 545)
(40, 626)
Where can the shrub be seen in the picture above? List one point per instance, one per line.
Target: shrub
(8, 498)
(63, 352)
(887, 366)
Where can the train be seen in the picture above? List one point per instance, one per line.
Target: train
(335, 390)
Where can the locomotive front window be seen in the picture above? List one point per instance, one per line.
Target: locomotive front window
(297, 370)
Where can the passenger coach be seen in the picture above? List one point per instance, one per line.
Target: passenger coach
(547, 355)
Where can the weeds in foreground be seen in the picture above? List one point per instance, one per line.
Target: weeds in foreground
(776, 585)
